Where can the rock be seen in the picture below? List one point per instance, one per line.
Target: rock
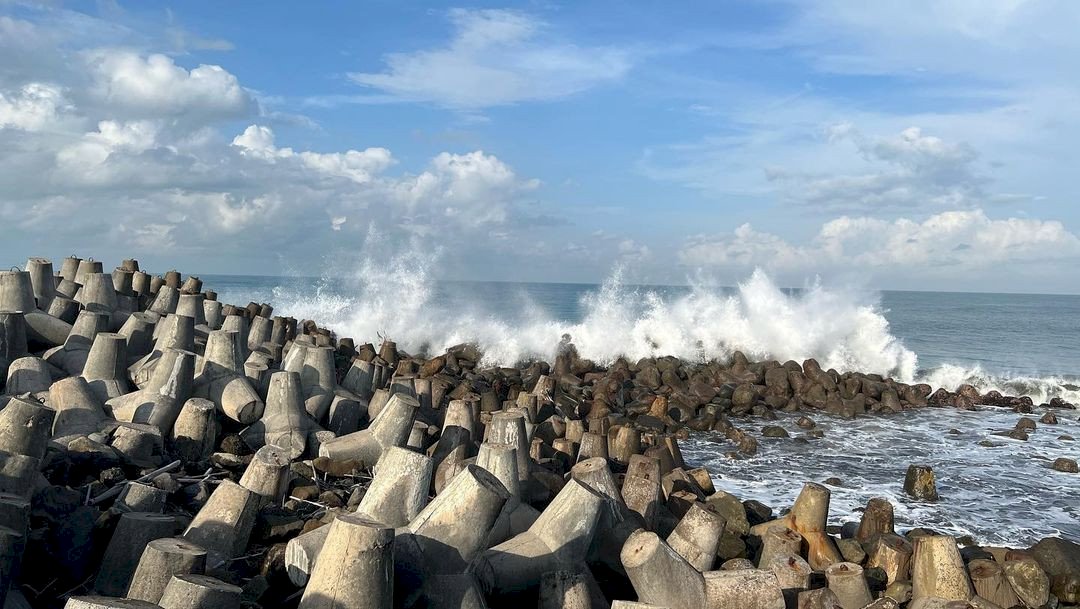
(920, 483)
(1060, 559)
(335, 467)
(834, 481)
(757, 512)
(1063, 464)
(774, 431)
(744, 396)
(732, 510)
(806, 423)
(1049, 419)
(1028, 581)
(1015, 434)
(1025, 424)
(851, 550)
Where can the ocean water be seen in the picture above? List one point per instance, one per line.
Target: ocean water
(1017, 344)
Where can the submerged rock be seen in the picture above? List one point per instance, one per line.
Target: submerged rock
(920, 482)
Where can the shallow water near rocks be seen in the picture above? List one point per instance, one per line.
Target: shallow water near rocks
(1001, 495)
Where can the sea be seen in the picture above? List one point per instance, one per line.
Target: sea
(997, 490)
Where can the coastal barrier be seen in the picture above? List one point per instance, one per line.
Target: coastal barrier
(159, 448)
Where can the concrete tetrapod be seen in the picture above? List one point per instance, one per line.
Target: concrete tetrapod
(28, 375)
(301, 553)
(779, 541)
(224, 524)
(138, 330)
(399, 490)
(449, 532)
(267, 475)
(133, 532)
(697, 536)
(793, 576)
(391, 428)
(106, 366)
(509, 428)
(458, 429)
(892, 554)
(160, 399)
(79, 411)
(194, 434)
(355, 569)
(743, 588)
(938, 570)
(195, 591)
(284, 421)
(315, 365)
(559, 539)
(808, 517)
(71, 356)
(173, 332)
(847, 581)
(661, 576)
(25, 428)
(988, 579)
(107, 602)
(42, 281)
(617, 522)
(221, 379)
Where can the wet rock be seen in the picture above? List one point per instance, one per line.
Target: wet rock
(833, 482)
(1064, 464)
(920, 482)
(1049, 419)
(1026, 424)
(1015, 434)
(805, 423)
(774, 431)
(743, 397)
(1060, 559)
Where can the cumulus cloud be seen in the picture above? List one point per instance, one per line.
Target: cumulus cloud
(910, 169)
(952, 242)
(361, 166)
(155, 84)
(496, 57)
(33, 107)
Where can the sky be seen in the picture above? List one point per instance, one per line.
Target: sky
(908, 144)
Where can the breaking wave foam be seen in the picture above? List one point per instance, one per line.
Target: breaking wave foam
(397, 300)
(1040, 389)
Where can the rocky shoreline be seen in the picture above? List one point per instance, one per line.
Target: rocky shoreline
(159, 448)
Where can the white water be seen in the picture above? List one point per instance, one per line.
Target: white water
(1002, 494)
(843, 329)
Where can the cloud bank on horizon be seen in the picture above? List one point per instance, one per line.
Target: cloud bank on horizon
(894, 144)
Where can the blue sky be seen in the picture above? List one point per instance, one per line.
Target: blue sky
(891, 144)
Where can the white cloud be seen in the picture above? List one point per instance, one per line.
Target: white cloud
(34, 107)
(950, 243)
(154, 85)
(908, 170)
(496, 57)
(357, 165)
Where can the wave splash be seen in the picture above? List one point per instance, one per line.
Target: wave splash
(397, 300)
